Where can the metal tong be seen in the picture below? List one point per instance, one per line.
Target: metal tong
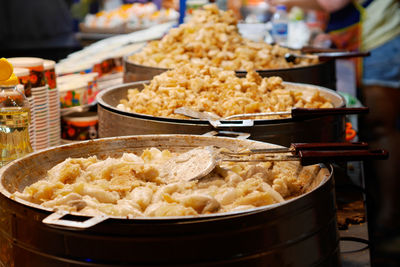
(311, 153)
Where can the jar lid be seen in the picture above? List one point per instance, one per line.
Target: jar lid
(81, 116)
(26, 61)
(12, 81)
(49, 64)
(6, 69)
(73, 68)
(77, 78)
(90, 76)
(72, 85)
(68, 78)
(21, 72)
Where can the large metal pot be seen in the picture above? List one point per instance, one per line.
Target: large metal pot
(322, 74)
(114, 122)
(298, 232)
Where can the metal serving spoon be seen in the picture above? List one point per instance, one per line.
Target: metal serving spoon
(191, 165)
(295, 113)
(199, 162)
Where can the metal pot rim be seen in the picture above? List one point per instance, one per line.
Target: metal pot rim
(213, 216)
(102, 103)
(128, 60)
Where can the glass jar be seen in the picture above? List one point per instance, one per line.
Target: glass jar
(14, 124)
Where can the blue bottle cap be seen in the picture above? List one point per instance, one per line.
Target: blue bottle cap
(281, 7)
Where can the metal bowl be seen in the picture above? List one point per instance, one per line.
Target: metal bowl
(299, 232)
(322, 74)
(115, 122)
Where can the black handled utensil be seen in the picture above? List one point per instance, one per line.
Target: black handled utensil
(291, 57)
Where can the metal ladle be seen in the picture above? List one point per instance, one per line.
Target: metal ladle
(199, 162)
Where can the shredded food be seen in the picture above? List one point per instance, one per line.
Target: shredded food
(137, 186)
(212, 37)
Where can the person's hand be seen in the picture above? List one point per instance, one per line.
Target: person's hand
(322, 40)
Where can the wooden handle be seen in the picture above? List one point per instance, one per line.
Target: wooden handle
(328, 146)
(314, 157)
(317, 112)
(334, 55)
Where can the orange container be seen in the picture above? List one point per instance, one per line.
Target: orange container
(23, 75)
(50, 73)
(35, 66)
(79, 126)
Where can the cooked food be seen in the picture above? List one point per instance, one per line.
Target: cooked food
(211, 37)
(211, 89)
(141, 186)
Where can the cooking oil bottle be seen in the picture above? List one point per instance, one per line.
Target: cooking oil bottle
(14, 119)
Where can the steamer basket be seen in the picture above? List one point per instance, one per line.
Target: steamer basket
(299, 232)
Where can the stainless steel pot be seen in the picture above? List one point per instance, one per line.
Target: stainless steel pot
(114, 122)
(323, 74)
(298, 232)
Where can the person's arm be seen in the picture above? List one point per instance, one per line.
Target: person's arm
(306, 4)
(333, 5)
(325, 5)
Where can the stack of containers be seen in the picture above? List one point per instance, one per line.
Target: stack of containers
(24, 79)
(93, 89)
(40, 94)
(78, 90)
(79, 126)
(54, 103)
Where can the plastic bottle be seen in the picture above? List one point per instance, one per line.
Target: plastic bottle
(280, 25)
(14, 125)
(14, 117)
